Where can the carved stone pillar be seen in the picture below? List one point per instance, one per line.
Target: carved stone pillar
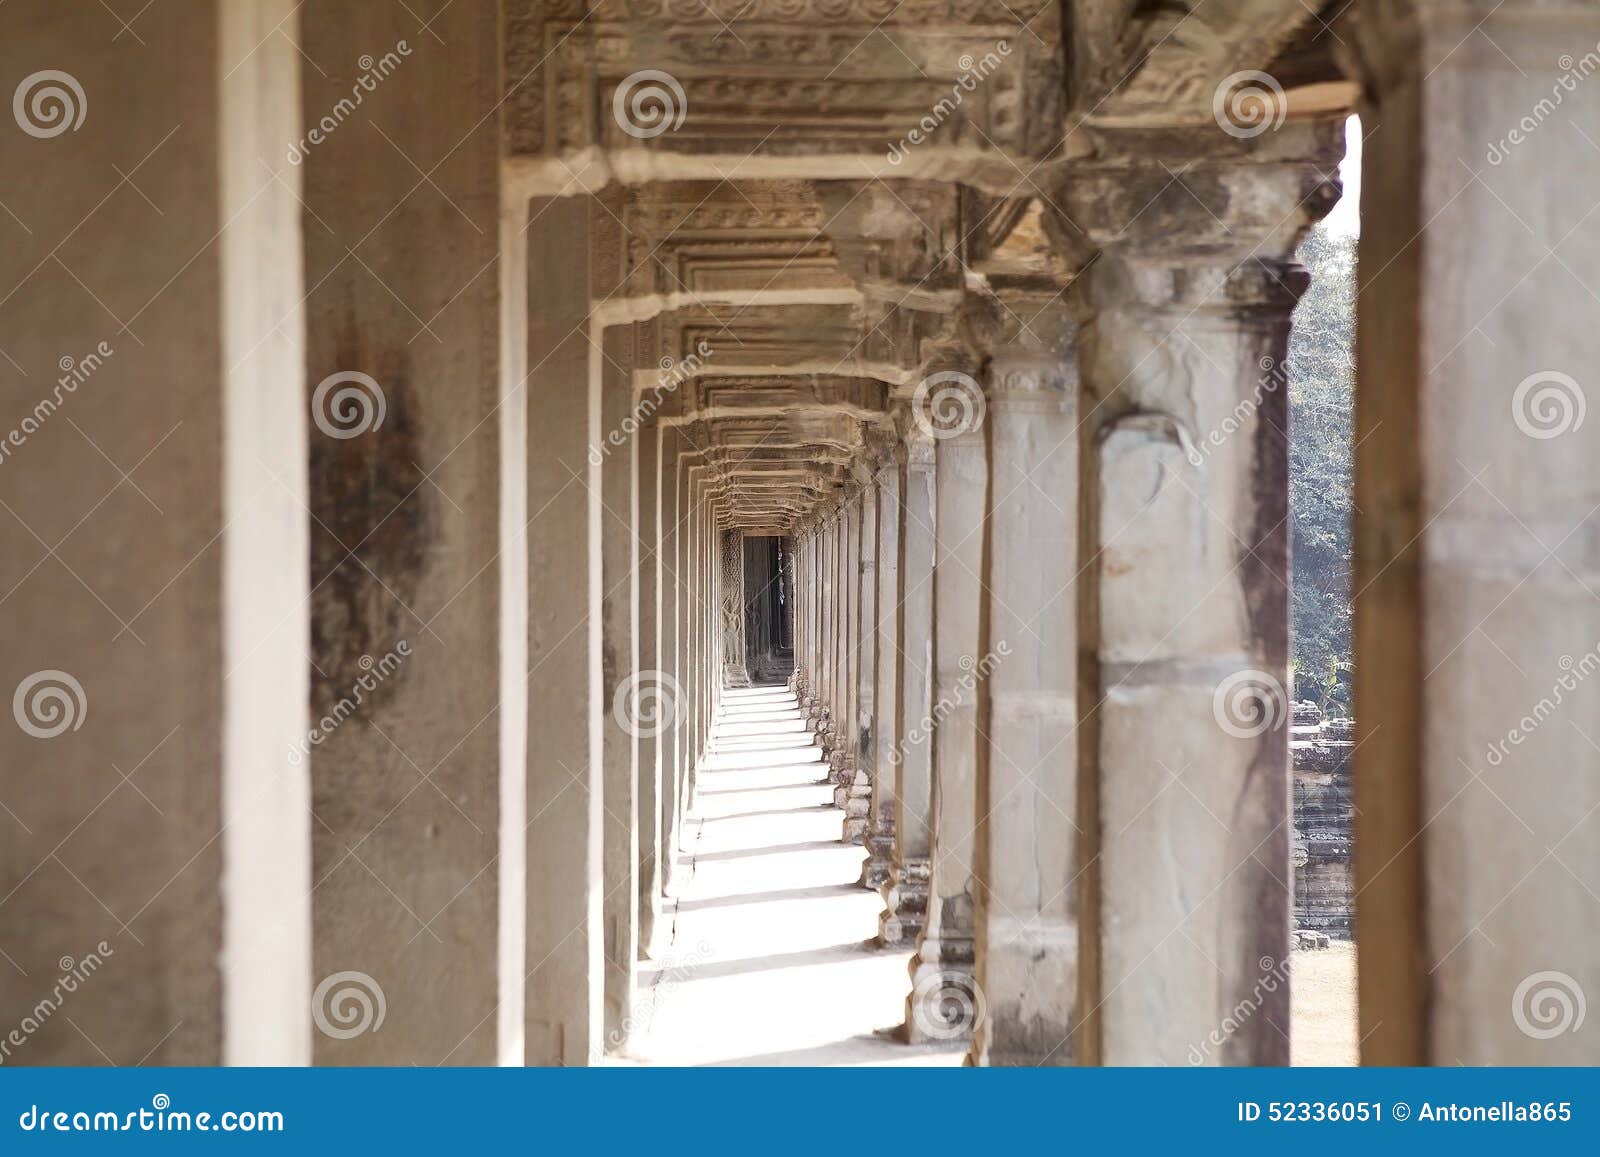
(1027, 940)
(886, 674)
(669, 588)
(154, 771)
(1185, 319)
(842, 759)
(906, 894)
(730, 545)
(941, 971)
(621, 706)
(646, 495)
(828, 617)
(810, 593)
(1477, 813)
(855, 796)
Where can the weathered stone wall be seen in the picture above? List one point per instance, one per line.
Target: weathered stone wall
(1324, 888)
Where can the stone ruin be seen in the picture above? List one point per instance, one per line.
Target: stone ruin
(1324, 887)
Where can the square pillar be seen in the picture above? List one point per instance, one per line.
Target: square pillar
(1477, 786)
(941, 971)
(906, 894)
(155, 837)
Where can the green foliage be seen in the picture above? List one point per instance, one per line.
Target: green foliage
(1321, 396)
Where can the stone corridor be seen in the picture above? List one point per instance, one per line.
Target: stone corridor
(771, 955)
(548, 532)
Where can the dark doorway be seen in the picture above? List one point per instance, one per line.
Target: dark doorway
(768, 637)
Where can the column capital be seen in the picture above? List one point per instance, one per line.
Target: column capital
(1027, 378)
(918, 449)
(1181, 210)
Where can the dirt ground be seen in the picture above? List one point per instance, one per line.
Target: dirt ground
(1323, 1009)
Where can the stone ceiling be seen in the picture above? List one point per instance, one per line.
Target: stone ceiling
(811, 205)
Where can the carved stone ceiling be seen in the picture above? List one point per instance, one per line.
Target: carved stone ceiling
(811, 203)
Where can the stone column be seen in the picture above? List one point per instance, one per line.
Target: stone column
(669, 588)
(827, 614)
(406, 534)
(154, 837)
(855, 797)
(651, 669)
(807, 592)
(799, 546)
(730, 557)
(622, 708)
(1477, 784)
(700, 601)
(941, 971)
(906, 894)
(1185, 747)
(886, 675)
(1027, 941)
(843, 757)
(564, 830)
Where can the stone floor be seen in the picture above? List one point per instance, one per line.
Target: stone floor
(772, 959)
